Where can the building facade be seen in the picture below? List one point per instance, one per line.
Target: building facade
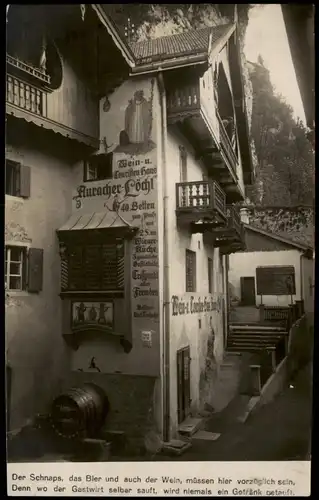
(275, 259)
(142, 232)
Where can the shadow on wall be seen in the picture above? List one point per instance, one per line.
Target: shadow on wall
(209, 374)
(234, 300)
(301, 344)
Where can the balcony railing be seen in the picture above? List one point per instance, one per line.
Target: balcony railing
(203, 198)
(226, 145)
(233, 219)
(38, 73)
(183, 100)
(26, 96)
(231, 237)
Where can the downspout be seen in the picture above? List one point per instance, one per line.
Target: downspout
(227, 311)
(301, 278)
(166, 277)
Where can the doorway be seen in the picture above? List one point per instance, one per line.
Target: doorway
(248, 295)
(183, 383)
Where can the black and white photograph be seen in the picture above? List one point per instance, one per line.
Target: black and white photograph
(159, 248)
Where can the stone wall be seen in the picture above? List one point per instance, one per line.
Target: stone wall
(295, 223)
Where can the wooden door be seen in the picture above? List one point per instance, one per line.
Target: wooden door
(248, 296)
(183, 383)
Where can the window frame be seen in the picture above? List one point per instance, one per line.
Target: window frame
(92, 162)
(23, 267)
(190, 268)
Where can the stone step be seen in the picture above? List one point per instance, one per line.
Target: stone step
(190, 426)
(175, 447)
(253, 341)
(250, 348)
(256, 329)
(205, 436)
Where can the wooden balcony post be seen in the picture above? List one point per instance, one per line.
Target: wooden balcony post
(273, 361)
(261, 312)
(297, 311)
(292, 313)
(300, 306)
(255, 381)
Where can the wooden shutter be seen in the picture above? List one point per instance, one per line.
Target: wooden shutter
(35, 270)
(186, 374)
(25, 181)
(190, 271)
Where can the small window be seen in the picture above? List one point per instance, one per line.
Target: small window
(23, 270)
(190, 271)
(17, 179)
(12, 178)
(182, 164)
(98, 167)
(210, 275)
(15, 268)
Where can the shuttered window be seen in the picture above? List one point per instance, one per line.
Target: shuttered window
(24, 269)
(94, 267)
(190, 271)
(17, 179)
(15, 268)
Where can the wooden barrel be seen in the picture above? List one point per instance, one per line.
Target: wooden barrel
(80, 412)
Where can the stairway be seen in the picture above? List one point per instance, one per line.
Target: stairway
(255, 337)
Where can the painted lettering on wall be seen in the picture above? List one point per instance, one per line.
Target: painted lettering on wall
(131, 197)
(195, 305)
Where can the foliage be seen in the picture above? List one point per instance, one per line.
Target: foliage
(285, 172)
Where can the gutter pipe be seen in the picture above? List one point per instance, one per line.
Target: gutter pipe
(166, 269)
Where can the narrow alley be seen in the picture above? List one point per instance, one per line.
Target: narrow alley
(279, 430)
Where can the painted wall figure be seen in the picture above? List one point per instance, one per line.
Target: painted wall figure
(135, 138)
(81, 310)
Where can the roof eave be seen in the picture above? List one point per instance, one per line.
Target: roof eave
(116, 37)
(244, 136)
(299, 246)
(219, 44)
(169, 64)
(186, 60)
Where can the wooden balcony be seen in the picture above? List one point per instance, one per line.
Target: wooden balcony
(20, 68)
(26, 96)
(231, 237)
(200, 205)
(226, 147)
(193, 109)
(36, 104)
